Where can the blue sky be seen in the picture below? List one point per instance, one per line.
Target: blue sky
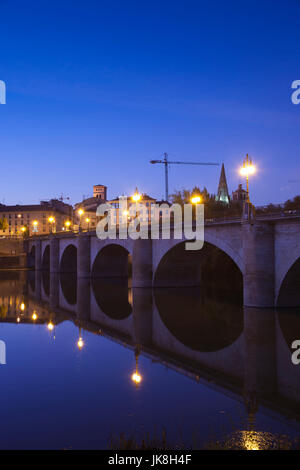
(96, 89)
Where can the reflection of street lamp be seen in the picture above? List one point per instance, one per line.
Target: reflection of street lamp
(80, 342)
(247, 169)
(50, 326)
(136, 376)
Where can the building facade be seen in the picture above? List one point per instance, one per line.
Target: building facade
(223, 193)
(240, 195)
(46, 217)
(100, 192)
(85, 216)
(127, 202)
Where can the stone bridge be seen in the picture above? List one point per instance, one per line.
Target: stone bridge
(264, 254)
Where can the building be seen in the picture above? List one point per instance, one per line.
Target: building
(100, 192)
(223, 193)
(43, 218)
(85, 211)
(129, 201)
(240, 195)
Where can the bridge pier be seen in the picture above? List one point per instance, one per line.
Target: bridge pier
(54, 255)
(54, 290)
(38, 267)
(83, 298)
(38, 255)
(260, 374)
(83, 256)
(258, 255)
(142, 263)
(142, 310)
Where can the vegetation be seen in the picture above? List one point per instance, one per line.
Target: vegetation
(237, 440)
(213, 208)
(3, 223)
(289, 205)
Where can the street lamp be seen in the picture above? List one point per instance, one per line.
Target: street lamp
(247, 169)
(136, 197)
(51, 221)
(80, 213)
(35, 225)
(195, 199)
(67, 224)
(88, 222)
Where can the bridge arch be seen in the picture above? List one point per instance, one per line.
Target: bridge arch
(68, 273)
(112, 261)
(208, 266)
(289, 291)
(68, 262)
(46, 258)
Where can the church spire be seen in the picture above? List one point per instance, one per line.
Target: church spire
(223, 194)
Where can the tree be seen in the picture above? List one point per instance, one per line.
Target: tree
(3, 223)
(213, 208)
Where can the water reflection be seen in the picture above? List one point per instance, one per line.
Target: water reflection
(198, 321)
(113, 297)
(289, 320)
(238, 351)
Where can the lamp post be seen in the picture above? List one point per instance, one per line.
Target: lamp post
(136, 198)
(80, 213)
(35, 225)
(247, 169)
(195, 199)
(51, 220)
(67, 225)
(88, 223)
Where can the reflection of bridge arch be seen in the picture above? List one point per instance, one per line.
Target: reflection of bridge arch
(197, 320)
(31, 258)
(112, 297)
(289, 291)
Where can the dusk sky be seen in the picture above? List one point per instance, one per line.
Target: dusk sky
(96, 89)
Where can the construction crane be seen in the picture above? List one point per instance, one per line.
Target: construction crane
(166, 162)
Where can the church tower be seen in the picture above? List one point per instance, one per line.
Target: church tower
(223, 194)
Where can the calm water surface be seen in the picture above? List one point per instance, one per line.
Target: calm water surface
(207, 366)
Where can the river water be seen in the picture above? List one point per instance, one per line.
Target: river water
(205, 368)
